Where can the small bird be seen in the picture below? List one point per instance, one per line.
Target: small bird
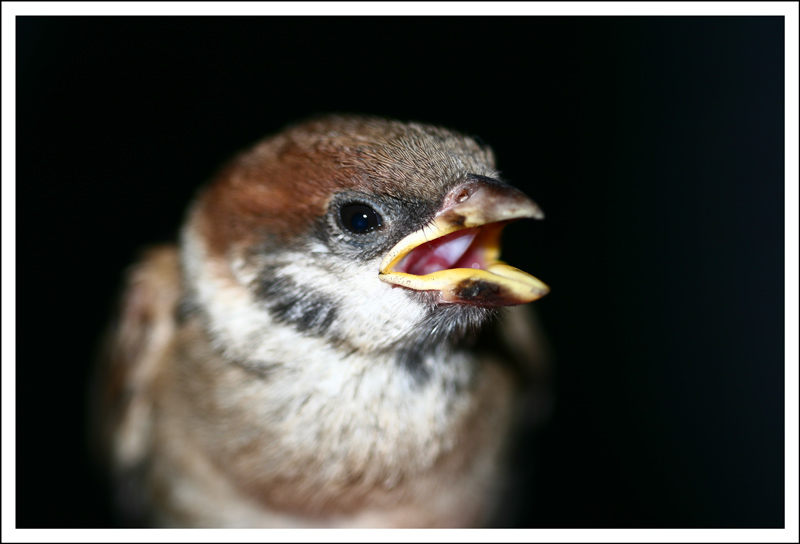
(324, 347)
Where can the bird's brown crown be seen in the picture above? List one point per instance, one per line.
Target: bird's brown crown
(280, 186)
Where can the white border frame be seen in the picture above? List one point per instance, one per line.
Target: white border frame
(11, 9)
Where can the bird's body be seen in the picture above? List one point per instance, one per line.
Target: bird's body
(305, 357)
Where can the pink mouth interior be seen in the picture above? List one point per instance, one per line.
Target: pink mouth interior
(454, 250)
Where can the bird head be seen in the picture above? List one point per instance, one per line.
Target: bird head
(367, 232)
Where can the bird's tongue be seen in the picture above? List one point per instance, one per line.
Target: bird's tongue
(441, 254)
(463, 267)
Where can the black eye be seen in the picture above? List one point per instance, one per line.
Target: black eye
(359, 219)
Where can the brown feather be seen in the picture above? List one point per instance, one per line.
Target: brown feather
(257, 194)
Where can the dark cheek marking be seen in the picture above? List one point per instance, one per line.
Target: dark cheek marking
(307, 311)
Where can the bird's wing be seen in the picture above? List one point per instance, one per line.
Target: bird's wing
(133, 355)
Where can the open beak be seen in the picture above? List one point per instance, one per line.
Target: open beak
(458, 253)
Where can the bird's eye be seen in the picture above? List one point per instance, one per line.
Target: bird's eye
(359, 219)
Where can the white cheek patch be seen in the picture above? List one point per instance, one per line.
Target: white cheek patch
(370, 314)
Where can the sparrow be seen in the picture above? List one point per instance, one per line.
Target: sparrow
(325, 346)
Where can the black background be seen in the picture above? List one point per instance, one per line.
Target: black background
(654, 146)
